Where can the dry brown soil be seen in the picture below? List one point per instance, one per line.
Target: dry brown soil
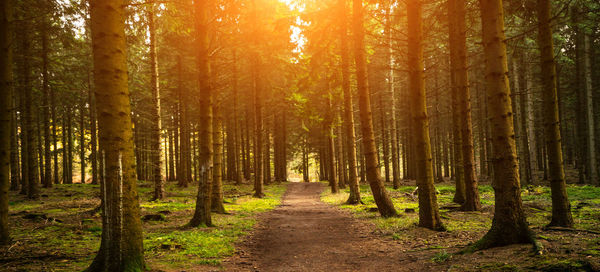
(305, 234)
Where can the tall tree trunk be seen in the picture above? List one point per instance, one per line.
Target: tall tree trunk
(255, 62)
(267, 155)
(457, 162)
(172, 156)
(237, 133)
(429, 216)
(382, 199)
(6, 114)
(202, 214)
(482, 129)
(217, 182)
(461, 80)
(82, 135)
(29, 124)
(69, 146)
(341, 167)
(155, 147)
(384, 138)
(15, 166)
(509, 225)
(305, 174)
(561, 208)
(93, 134)
(121, 247)
(525, 158)
(392, 96)
(65, 156)
(592, 162)
(333, 181)
(46, 107)
(183, 167)
(39, 140)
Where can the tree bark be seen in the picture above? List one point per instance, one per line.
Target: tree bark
(155, 147)
(6, 114)
(461, 80)
(509, 225)
(382, 199)
(202, 214)
(121, 248)
(93, 134)
(217, 189)
(46, 106)
(29, 124)
(428, 208)
(82, 135)
(561, 208)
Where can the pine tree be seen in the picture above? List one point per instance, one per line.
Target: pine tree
(382, 199)
(121, 247)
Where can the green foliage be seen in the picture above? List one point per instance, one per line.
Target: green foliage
(441, 257)
(167, 244)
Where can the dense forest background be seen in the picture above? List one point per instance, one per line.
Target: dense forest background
(286, 97)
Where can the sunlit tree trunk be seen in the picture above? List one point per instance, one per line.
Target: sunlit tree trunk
(217, 189)
(255, 62)
(428, 208)
(382, 199)
(93, 135)
(509, 225)
(155, 147)
(121, 247)
(172, 156)
(561, 208)
(6, 114)
(330, 161)
(458, 49)
(202, 214)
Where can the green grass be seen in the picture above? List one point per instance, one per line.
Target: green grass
(177, 249)
(72, 244)
(585, 201)
(441, 257)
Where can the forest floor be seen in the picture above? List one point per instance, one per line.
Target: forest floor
(61, 231)
(306, 234)
(310, 229)
(575, 249)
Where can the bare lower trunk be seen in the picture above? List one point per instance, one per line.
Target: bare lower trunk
(509, 225)
(382, 199)
(561, 208)
(121, 247)
(429, 216)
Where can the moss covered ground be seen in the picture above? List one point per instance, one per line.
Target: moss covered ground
(577, 249)
(61, 231)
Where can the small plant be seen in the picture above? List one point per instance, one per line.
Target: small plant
(441, 257)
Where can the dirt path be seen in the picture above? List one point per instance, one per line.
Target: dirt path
(305, 234)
